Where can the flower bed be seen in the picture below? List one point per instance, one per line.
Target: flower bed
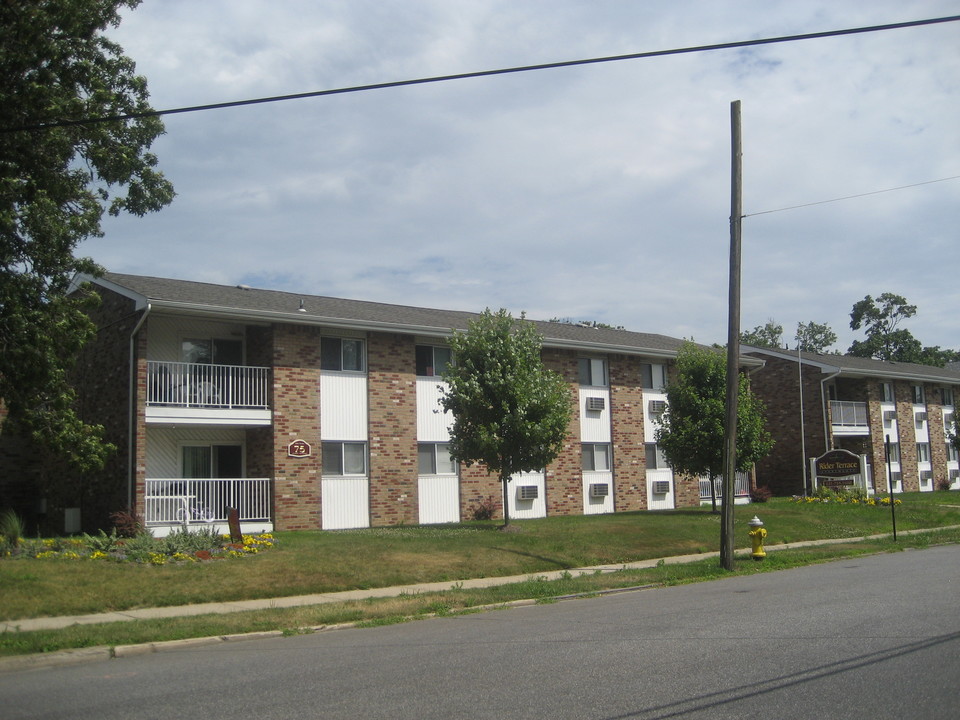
(178, 547)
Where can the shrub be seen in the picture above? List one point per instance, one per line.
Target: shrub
(101, 543)
(485, 509)
(126, 523)
(11, 528)
(760, 494)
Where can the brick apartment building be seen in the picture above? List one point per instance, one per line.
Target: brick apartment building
(322, 413)
(857, 404)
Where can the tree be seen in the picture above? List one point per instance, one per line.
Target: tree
(814, 337)
(691, 430)
(509, 412)
(885, 340)
(768, 336)
(60, 172)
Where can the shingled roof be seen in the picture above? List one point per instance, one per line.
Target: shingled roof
(862, 367)
(239, 302)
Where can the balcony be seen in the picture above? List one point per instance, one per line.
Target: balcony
(849, 418)
(194, 393)
(181, 502)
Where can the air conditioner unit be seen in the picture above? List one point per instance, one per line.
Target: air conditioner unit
(889, 415)
(657, 407)
(896, 476)
(528, 492)
(948, 420)
(661, 487)
(599, 490)
(921, 417)
(595, 403)
(954, 475)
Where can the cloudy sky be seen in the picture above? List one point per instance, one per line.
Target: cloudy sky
(597, 192)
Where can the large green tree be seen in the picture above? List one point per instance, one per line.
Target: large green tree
(691, 430)
(769, 335)
(880, 320)
(63, 163)
(814, 337)
(509, 411)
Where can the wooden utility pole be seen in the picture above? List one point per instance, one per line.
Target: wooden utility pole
(733, 346)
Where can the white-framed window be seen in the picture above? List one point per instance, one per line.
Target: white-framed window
(923, 452)
(656, 460)
(595, 456)
(344, 458)
(886, 390)
(212, 460)
(653, 376)
(593, 371)
(434, 459)
(342, 354)
(432, 360)
(211, 351)
(894, 452)
(946, 395)
(918, 394)
(951, 451)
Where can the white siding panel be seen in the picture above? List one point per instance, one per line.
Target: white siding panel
(343, 406)
(439, 497)
(526, 509)
(345, 503)
(595, 424)
(433, 424)
(659, 501)
(650, 420)
(592, 505)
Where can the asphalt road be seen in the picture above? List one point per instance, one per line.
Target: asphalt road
(873, 637)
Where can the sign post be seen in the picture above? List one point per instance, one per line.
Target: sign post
(893, 512)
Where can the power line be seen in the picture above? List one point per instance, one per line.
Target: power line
(487, 73)
(850, 197)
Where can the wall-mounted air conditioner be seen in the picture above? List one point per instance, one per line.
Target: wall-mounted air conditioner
(599, 490)
(920, 417)
(528, 492)
(954, 475)
(657, 407)
(926, 474)
(661, 487)
(896, 476)
(595, 403)
(889, 415)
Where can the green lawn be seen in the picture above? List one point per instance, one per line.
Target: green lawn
(309, 562)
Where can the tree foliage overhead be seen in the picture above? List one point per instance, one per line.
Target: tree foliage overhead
(768, 336)
(509, 411)
(691, 430)
(880, 320)
(814, 337)
(56, 66)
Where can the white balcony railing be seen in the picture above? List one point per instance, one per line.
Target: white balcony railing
(848, 414)
(176, 500)
(741, 486)
(208, 386)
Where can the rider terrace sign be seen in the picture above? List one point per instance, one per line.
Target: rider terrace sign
(837, 464)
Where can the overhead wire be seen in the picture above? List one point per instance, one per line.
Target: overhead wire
(485, 73)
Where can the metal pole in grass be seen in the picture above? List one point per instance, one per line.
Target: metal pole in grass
(893, 512)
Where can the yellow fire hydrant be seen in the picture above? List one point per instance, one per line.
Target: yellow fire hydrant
(757, 535)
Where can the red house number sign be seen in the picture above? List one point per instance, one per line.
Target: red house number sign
(298, 448)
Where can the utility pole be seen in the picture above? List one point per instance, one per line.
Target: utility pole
(733, 346)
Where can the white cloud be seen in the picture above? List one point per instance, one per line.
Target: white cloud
(597, 192)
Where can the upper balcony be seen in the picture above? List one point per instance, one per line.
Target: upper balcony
(206, 394)
(849, 418)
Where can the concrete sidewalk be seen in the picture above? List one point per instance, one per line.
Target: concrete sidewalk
(56, 623)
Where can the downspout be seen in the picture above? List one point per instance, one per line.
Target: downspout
(132, 410)
(823, 403)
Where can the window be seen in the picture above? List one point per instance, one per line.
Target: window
(947, 395)
(655, 457)
(212, 461)
(886, 390)
(894, 452)
(431, 360)
(434, 459)
(918, 396)
(344, 458)
(923, 452)
(951, 452)
(593, 371)
(596, 456)
(341, 354)
(653, 376)
(211, 351)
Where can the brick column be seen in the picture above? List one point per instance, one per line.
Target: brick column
(908, 437)
(626, 415)
(564, 479)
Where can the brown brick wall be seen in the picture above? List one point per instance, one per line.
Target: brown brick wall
(296, 416)
(626, 412)
(478, 485)
(392, 393)
(564, 479)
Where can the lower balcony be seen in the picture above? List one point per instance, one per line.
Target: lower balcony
(196, 393)
(174, 503)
